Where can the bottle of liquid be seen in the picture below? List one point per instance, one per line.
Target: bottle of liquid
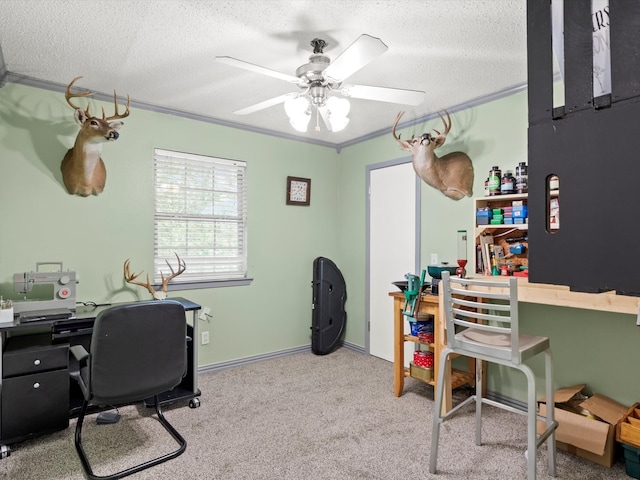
(486, 187)
(508, 183)
(522, 178)
(494, 181)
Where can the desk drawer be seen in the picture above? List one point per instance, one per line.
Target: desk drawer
(33, 404)
(26, 355)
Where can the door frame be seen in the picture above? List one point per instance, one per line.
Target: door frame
(367, 190)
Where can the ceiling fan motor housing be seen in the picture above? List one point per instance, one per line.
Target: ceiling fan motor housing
(312, 71)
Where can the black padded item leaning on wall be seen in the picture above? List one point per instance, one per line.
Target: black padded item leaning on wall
(329, 297)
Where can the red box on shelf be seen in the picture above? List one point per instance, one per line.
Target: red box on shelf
(423, 358)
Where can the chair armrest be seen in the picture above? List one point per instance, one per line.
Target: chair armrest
(79, 352)
(82, 374)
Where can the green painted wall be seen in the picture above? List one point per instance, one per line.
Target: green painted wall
(596, 348)
(94, 236)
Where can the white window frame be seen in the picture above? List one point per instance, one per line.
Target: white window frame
(207, 220)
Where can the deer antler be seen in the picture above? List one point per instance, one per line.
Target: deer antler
(395, 124)
(118, 115)
(181, 268)
(131, 278)
(157, 294)
(440, 139)
(68, 96)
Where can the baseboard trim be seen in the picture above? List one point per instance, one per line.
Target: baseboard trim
(213, 367)
(512, 402)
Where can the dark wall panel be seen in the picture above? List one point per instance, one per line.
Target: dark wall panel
(595, 153)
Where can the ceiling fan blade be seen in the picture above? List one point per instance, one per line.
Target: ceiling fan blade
(262, 105)
(234, 62)
(361, 52)
(384, 94)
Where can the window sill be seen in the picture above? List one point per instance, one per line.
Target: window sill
(239, 282)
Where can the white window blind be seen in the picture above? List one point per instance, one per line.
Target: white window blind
(200, 215)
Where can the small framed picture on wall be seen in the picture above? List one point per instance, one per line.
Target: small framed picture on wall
(298, 191)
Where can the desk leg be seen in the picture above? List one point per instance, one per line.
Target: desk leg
(4, 449)
(398, 350)
(195, 402)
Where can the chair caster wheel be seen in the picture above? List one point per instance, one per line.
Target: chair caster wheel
(194, 403)
(5, 451)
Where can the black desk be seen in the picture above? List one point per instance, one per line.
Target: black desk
(36, 396)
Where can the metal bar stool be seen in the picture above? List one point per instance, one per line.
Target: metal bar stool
(482, 322)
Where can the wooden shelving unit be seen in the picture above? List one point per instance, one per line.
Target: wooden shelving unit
(430, 304)
(500, 233)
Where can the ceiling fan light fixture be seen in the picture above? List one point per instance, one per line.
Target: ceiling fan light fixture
(338, 123)
(338, 107)
(300, 124)
(297, 109)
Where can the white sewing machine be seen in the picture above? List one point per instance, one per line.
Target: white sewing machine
(59, 288)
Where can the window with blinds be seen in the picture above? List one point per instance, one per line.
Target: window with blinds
(201, 216)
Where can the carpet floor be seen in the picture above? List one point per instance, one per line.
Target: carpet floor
(296, 417)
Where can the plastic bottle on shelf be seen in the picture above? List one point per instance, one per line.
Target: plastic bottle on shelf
(507, 184)
(522, 178)
(495, 175)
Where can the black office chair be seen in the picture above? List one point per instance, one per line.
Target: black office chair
(138, 351)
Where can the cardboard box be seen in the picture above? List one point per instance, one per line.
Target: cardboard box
(591, 437)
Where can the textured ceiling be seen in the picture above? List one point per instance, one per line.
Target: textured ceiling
(161, 52)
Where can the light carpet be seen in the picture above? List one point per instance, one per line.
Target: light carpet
(300, 416)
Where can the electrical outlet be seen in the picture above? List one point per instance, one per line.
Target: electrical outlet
(434, 259)
(204, 338)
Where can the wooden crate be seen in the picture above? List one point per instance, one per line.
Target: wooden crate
(628, 430)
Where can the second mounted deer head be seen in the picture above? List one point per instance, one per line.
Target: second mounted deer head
(452, 173)
(83, 171)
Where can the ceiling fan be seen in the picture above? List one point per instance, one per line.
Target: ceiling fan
(321, 82)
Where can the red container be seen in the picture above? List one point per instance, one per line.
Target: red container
(423, 358)
(426, 338)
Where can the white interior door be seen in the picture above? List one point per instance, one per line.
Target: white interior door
(393, 252)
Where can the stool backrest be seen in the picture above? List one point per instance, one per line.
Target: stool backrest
(487, 306)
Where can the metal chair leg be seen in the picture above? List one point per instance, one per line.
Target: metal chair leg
(161, 418)
(437, 417)
(551, 421)
(478, 396)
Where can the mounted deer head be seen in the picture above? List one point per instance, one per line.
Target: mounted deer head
(83, 171)
(157, 294)
(452, 173)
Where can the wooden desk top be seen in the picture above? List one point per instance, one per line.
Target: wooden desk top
(562, 296)
(428, 297)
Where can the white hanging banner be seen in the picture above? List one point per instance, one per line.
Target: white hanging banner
(601, 46)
